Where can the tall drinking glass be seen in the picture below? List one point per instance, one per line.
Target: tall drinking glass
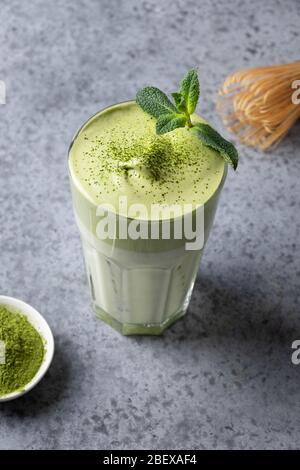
(138, 286)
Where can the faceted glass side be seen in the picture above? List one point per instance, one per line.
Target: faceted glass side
(138, 297)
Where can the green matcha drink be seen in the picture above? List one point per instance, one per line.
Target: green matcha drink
(117, 160)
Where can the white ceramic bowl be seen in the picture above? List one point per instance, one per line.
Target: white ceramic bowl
(40, 324)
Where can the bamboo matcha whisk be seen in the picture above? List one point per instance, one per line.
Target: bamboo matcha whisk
(256, 104)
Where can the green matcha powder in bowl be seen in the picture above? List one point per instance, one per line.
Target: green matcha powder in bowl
(26, 348)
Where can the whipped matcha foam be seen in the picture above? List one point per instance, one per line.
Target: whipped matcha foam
(117, 152)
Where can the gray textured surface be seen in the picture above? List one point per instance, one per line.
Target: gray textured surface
(222, 377)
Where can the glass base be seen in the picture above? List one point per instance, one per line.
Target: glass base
(127, 329)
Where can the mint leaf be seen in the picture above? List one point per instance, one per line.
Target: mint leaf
(213, 139)
(154, 102)
(169, 122)
(190, 90)
(179, 102)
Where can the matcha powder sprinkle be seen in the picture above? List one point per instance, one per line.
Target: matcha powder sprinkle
(22, 351)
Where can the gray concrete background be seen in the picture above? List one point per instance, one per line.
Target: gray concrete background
(222, 377)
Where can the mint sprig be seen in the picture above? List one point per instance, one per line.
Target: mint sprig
(172, 116)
